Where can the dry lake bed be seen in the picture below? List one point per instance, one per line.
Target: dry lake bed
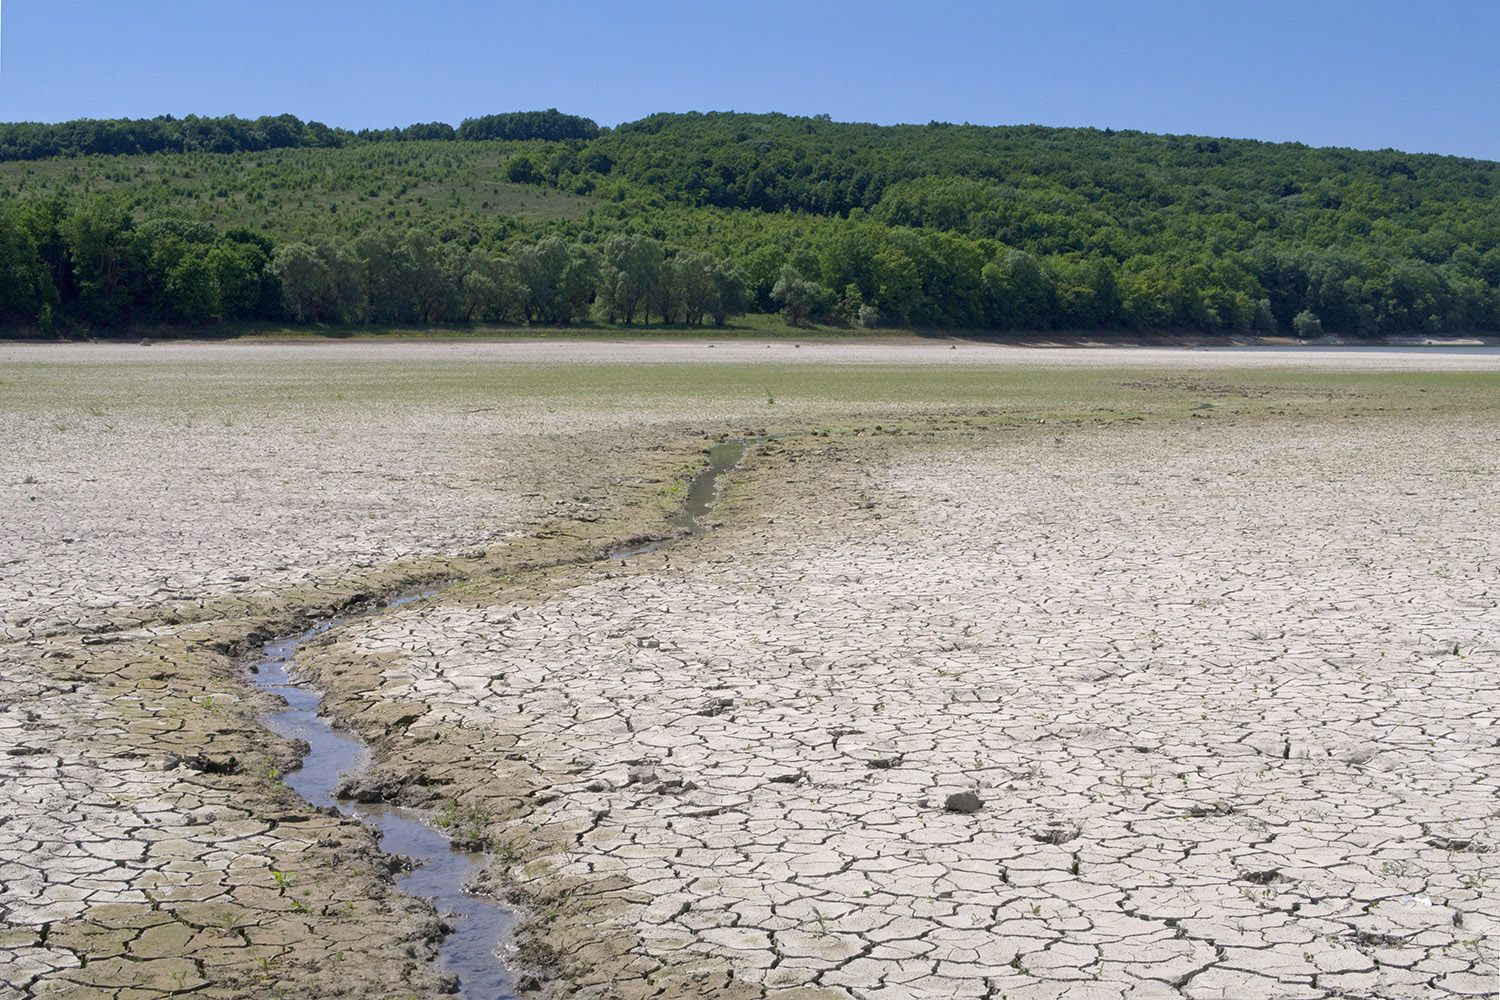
(1002, 672)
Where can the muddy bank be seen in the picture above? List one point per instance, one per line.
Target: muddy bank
(149, 849)
(149, 846)
(439, 865)
(441, 852)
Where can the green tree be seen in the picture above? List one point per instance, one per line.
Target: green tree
(303, 277)
(798, 296)
(521, 170)
(487, 290)
(191, 294)
(27, 293)
(558, 281)
(1018, 294)
(343, 298)
(629, 266)
(1264, 321)
(238, 270)
(899, 284)
(1307, 325)
(174, 283)
(731, 293)
(43, 223)
(762, 268)
(667, 293)
(951, 284)
(98, 239)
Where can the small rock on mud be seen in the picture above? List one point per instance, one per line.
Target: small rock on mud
(963, 802)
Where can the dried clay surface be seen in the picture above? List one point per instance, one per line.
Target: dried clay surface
(139, 476)
(1190, 704)
(1193, 709)
(162, 512)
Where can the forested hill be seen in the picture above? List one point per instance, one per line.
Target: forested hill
(773, 162)
(679, 218)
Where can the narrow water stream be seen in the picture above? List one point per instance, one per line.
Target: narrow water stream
(702, 492)
(440, 871)
(703, 488)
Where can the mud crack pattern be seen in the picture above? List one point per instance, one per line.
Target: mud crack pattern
(1228, 699)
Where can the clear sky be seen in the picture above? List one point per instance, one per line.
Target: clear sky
(1418, 75)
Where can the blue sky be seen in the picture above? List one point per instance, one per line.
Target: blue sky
(1417, 76)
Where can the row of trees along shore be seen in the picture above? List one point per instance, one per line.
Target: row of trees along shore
(105, 271)
(695, 218)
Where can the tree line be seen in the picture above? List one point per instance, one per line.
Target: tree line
(62, 269)
(98, 268)
(231, 134)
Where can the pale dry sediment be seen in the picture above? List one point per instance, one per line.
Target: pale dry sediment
(189, 479)
(1226, 689)
(155, 503)
(139, 476)
(158, 514)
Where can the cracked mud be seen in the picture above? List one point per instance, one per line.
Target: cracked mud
(1202, 744)
(1201, 703)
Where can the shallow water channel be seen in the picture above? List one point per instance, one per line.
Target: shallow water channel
(440, 871)
(702, 492)
(703, 488)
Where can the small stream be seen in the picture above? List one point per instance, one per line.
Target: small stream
(440, 871)
(703, 488)
(702, 492)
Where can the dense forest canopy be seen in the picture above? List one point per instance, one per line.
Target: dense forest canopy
(683, 218)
